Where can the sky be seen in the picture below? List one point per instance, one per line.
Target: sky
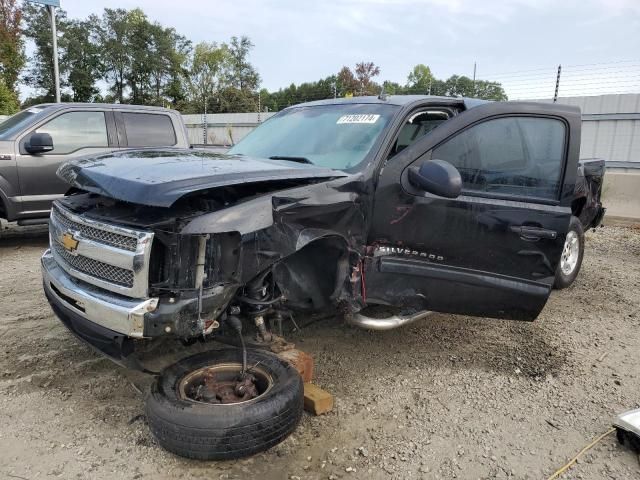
(518, 42)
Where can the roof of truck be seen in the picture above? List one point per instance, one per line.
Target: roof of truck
(99, 105)
(400, 100)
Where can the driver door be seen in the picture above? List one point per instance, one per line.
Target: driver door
(492, 251)
(75, 133)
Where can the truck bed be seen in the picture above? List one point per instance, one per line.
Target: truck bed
(587, 204)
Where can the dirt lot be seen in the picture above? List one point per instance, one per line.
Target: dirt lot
(450, 397)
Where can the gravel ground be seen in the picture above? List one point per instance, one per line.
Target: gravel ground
(450, 397)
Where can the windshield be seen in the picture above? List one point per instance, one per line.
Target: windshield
(332, 136)
(14, 124)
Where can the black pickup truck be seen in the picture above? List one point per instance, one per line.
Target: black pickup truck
(404, 203)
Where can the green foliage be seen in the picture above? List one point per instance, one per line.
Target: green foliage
(420, 81)
(233, 100)
(346, 82)
(420, 78)
(358, 82)
(113, 37)
(241, 75)
(205, 75)
(81, 60)
(9, 103)
(221, 78)
(392, 88)
(144, 61)
(305, 92)
(38, 29)
(365, 71)
(12, 55)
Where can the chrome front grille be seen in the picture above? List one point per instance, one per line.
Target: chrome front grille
(108, 238)
(108, 256)
(95, 268)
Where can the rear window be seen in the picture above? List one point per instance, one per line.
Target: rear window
(149, 130)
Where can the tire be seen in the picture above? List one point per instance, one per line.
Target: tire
(569, 266)
(206, 431)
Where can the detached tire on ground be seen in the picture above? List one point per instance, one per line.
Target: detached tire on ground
(207, 431)
(572, 253)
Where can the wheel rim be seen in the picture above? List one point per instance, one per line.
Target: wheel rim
(570, 253)
(218, 384)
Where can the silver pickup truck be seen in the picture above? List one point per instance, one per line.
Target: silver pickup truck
(36, 141)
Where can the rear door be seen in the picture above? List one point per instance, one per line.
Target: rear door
(145, 129)
(494, 250)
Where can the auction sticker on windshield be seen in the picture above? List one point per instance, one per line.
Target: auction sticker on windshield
(371, 118)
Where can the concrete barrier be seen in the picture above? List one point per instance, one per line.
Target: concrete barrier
(621, 194)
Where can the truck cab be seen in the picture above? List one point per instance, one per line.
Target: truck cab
(37, 140)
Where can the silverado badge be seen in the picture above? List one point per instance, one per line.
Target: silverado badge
(69, 242)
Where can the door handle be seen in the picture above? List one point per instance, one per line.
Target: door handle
(533, 233)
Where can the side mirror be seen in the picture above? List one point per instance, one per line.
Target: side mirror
(39, 143)
(437, 177)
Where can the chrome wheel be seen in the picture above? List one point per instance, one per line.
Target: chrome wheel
(570, 253)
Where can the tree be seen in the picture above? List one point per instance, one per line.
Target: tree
(234, 100)
(420, 80)
(145, 62)
(393, 88)
(82, 60)
(170, 64)
(490, 91)
(205, 76)
(240, 78)
(140, 55)
(12, 55)
(346, 82)
(365, 71)
(38, 28)
(9, 103)
(305, 92)
(466, 87)
(240, 73)
(113, 37)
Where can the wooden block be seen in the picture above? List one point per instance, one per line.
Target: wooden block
(316, 400)
(301, 361)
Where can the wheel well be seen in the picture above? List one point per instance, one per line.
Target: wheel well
(577, 205)
(312, 277)
(3, 209)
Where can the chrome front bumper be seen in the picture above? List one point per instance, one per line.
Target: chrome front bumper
(113, 312)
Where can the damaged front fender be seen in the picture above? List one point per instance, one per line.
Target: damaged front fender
(309, 236)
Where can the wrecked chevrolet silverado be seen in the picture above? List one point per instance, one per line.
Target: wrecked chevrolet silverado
(406, 203)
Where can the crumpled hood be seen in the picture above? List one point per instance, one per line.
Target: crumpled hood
(160, 177)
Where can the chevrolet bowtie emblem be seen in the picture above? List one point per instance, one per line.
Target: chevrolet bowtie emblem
(69, 243)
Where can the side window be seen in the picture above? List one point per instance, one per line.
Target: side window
(75, 130)
(416, 126)
(522, 156)
(149, 130)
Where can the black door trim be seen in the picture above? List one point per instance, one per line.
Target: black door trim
(464, 276)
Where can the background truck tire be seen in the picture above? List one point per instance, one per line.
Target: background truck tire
(572, 254)
(206, 431)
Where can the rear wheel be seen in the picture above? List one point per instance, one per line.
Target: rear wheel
(572, 253)
(203, 408)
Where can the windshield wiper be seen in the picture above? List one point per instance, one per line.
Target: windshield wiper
(292, 159)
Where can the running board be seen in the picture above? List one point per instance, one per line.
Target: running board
(387, 323)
